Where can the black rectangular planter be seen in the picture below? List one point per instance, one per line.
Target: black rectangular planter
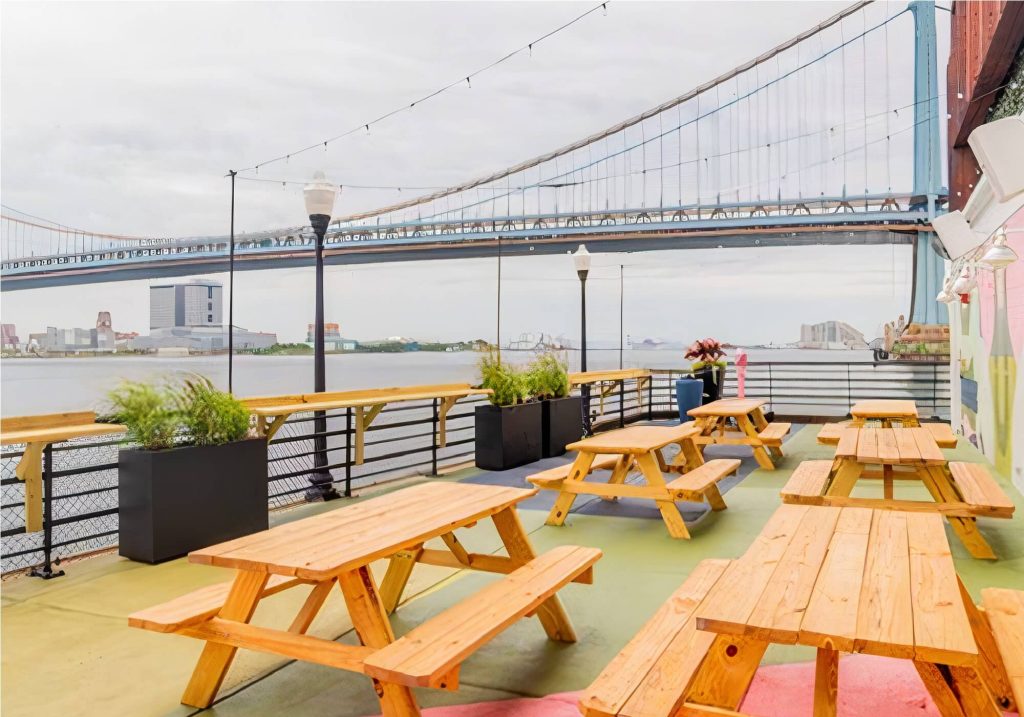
(507, 436)
(182, 499)
(561, 423)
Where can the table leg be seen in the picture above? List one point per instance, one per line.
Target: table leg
(310, 608)
(990, 662)
(619, 474)
(956, 691)
(371, 624)
(648, 465)
(760, 454)
(551, 612)
(563, 503)
(399, 569)
(845, 478)
(887, 489)
(689, 457)
(939, 483)
(727, 671)
(826, 682)
(216, 658)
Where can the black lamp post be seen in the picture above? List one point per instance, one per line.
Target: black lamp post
(582, 261)
(319, 197)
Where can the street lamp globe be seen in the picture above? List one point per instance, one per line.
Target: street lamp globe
(581, 258)
(998, 255)
(319, 195)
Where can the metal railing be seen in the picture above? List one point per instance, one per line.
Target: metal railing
(402, 441)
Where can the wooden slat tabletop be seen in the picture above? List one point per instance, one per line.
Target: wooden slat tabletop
(727, 407)
(884, 409)
(880, 582)
(889, 446)
(633, 439)
(578, 378)
(328, 544)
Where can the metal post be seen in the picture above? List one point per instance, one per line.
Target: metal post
(46, 571)
(321, 477)
(231, 289)
(433, 442)
(497, 328)
(650, 399)
(348, 453)
(849, 390)
(585, 388)
(621, 312)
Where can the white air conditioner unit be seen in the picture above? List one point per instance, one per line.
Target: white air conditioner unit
(999, 149)
(955, 234)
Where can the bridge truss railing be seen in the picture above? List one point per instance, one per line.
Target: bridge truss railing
(402, 442)
(871, 209)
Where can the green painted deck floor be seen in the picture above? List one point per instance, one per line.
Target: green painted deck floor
(67, 649)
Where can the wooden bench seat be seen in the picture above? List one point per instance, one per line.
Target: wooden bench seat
(652, 674)
(829, 433)
(554, 477)
(807, 484)
(702, 482)
(773, 433)
(980, 490)
(430, 654)
(1005, 612)
(198, 606)
(942, 433)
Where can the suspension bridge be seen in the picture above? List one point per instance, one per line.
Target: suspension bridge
(829, 138)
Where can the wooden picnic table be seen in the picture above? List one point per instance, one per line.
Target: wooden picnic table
(711, 420)
(961, 492)
(38, 434)
(845, 580)
(640, 446)
(610, 380)
(338, 547)
(272, 411)
(886, 411)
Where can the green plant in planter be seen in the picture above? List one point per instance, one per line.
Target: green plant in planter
(211, 417)
(149, 413)
(195, 413)
(510, 384)
(549, 377)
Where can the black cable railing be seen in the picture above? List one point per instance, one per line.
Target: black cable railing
(402, 441)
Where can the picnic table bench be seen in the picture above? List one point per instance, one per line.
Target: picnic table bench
(337, 548)
(272, 411)
(640, 448)
(753, 428)
(38, 434)
(836, 579)
(962, 492)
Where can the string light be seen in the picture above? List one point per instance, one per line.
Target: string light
(528, 47)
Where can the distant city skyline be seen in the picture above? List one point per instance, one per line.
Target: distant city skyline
(755, 296)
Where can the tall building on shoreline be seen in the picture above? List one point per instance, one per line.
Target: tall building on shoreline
(190, 316)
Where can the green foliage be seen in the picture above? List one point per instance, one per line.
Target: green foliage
(160, 417)
(548, 377)
(149, 413)
(698, 365)
(211, 417)
(511, 385)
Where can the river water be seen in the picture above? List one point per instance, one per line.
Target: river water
(34, 386)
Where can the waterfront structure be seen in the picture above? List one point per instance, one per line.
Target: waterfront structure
(831, 335)
(196, 303)
(333, 340)
(190, 316)
(9, 337)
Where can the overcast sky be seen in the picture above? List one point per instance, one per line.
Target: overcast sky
(124, 117)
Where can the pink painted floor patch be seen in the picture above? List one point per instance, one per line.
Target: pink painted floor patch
(868, 687)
